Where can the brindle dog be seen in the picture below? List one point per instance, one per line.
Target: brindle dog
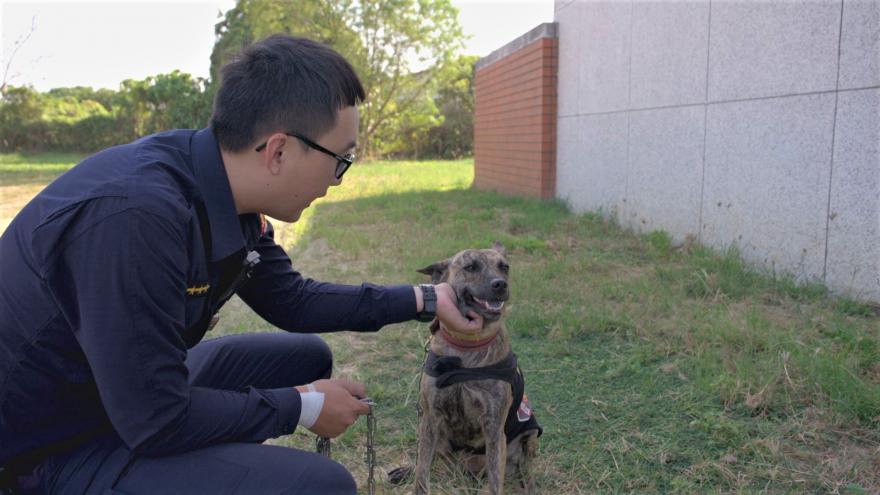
(471, 415)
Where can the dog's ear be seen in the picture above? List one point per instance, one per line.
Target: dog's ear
(437, 271)
(498, 247)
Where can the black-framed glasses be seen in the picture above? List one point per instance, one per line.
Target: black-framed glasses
(342, 161)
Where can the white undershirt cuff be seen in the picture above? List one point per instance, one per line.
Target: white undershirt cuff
(312, 403)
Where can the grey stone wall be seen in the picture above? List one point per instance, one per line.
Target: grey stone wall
(755, 123)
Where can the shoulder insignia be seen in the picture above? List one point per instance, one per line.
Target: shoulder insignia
(198, 290)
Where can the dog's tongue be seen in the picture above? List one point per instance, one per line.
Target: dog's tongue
(491, 306)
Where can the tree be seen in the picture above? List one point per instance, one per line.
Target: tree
(20, 109)
(454, 137)
(165, 101)
(103, 96)
(398, 34)
(7, 64)
(178, 101)
(388, 42)
(132, 106)
(405, 134)
(70, 108)
(251, 20)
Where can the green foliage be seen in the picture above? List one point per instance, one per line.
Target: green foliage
(401, 49)
(162, 102)
(251, 20)
(453, 135)
(419, 92)
(85, 120)
(396, 34)
(21, 109)
(82, 93)
(850, 307)
(69, 109)
(404, 136)
(660, 241)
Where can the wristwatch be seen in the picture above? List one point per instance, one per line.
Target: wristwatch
(429, 308)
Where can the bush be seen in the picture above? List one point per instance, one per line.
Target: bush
(84, 120)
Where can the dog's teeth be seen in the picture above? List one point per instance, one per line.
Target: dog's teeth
(490, 306)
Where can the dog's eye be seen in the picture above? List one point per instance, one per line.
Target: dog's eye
(473, 266)
(504, 267)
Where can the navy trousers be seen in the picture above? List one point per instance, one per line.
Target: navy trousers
(106, 466)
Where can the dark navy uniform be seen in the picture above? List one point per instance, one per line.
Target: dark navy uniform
(109, 279)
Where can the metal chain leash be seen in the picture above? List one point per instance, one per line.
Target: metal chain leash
(419, 376)
(370, 455)
(322, 446)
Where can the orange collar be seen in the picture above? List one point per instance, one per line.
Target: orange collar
(466, 342)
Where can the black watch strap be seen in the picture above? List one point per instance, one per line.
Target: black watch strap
(429, 307)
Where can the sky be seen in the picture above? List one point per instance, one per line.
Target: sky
(100, 44)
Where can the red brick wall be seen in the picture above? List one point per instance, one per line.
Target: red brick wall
(515, 122)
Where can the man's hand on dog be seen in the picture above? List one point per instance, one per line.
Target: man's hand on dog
(450, 316)
(341, 406)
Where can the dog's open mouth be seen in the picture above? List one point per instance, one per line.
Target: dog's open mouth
(487, 307)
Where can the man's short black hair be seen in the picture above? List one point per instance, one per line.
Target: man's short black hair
(280, 84)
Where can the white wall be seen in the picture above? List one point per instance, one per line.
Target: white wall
(750, 122)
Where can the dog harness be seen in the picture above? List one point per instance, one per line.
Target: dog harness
(449, 371)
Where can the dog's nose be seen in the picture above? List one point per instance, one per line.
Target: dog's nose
(499, 284)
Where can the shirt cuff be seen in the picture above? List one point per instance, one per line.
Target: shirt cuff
(289, 406)
(401, 303)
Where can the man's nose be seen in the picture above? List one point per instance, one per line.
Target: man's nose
(499, 285)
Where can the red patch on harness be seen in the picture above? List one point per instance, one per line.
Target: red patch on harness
(525, 411)
(263, 224)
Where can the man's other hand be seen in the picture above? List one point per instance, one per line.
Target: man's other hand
(341, 406)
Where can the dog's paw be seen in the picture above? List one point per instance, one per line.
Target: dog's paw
(401, 475)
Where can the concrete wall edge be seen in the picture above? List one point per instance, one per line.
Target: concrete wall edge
(545, 30)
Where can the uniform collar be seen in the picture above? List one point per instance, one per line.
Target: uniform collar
(226, 235)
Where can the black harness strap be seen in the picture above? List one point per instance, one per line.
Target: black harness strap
(204, 226)
(235, 270)
(448, 371)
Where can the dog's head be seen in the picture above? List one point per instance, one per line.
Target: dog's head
(479, 279)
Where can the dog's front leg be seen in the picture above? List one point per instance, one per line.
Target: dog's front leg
(529, 445)
(428, 433)
(496, 442)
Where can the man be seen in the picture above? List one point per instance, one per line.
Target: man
(111, 276)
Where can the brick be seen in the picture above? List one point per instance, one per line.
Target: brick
(515, 122)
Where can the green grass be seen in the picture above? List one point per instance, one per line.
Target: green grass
(653, 367)
(19, 168)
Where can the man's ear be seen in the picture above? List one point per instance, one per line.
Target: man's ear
(498, 247)
(438, 271)
(274, 148)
